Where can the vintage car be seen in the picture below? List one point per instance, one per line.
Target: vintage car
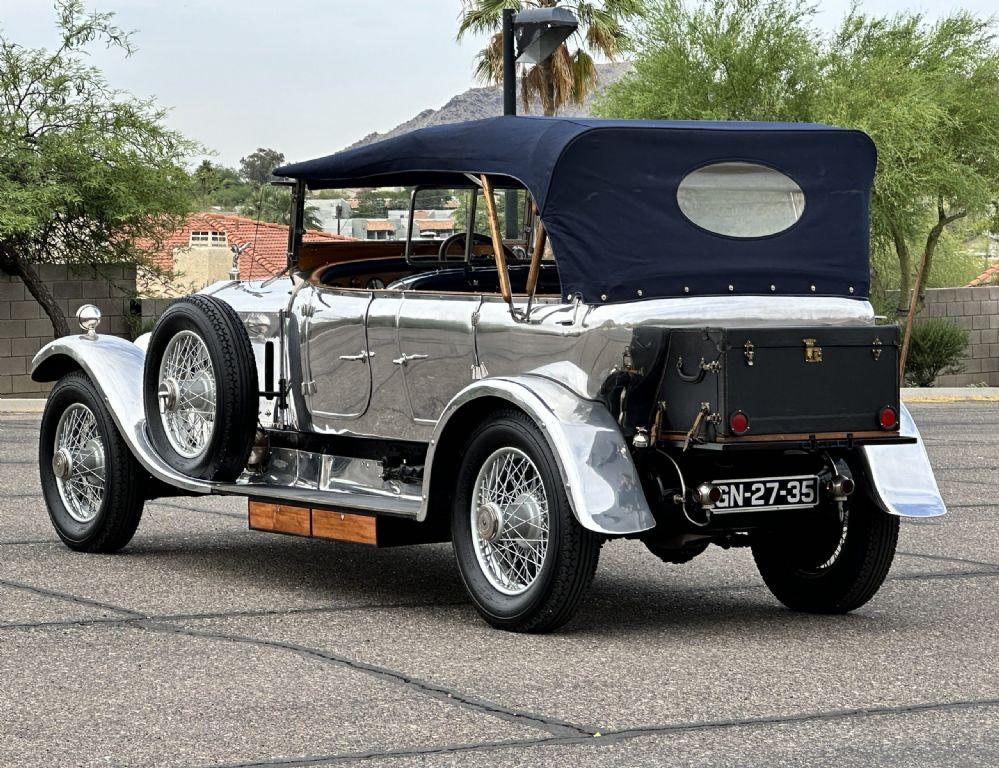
(645, 330)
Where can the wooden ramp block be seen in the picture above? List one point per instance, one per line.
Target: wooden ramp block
(344, 526)
(280, 518)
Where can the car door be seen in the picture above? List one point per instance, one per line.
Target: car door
(436, 349)
(338, 382)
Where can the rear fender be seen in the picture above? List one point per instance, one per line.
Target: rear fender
(600, 478)
(901, 477)
(115, 366)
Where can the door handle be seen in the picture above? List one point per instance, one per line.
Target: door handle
(404, 360)
(360, 356)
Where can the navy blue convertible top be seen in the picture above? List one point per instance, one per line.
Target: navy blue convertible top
(607, 193)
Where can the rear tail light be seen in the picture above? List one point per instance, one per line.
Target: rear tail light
(888, 417)
(739, 423)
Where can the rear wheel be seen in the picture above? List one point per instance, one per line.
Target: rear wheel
(834, 563)
(92, 484)
(524, 558)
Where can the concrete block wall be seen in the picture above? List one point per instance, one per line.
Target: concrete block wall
(25, 328)
(151, 310)
(977, 311)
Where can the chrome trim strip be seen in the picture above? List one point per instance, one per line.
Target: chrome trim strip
(400, 506)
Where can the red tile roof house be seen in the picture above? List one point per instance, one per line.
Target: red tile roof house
(989, 277)
(198, 254)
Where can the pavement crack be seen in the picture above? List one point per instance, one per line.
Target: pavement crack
(389, 754)
(441, 693)
(68, 597)
(610, 737)
(261, 613)
(803, 717)
(948, 559)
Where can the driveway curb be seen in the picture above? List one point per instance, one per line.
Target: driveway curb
(22, 405)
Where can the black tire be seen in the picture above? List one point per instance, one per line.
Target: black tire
(674, 555)
(237, 393)
(803, 570)
(571, 559)
(121, 507)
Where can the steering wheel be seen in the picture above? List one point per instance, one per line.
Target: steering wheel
(477, 239)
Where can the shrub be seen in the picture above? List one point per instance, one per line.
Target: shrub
(936, 348)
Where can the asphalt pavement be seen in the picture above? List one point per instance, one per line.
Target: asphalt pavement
(206, 644)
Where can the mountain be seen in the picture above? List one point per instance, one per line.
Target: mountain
(476, 103)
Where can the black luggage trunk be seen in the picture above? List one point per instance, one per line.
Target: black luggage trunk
(812, 382)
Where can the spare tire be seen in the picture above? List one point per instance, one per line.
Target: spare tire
(200, 389)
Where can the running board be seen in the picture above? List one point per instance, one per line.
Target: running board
(307, 478)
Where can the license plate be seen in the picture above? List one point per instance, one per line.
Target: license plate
(762, 493)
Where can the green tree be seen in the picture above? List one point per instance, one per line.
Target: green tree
(85, 171)
(216, 186)
(567, 76)
(256, 167)
(926, 93)
(273, 203)
(375, 203)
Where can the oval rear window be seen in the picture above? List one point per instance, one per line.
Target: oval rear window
(740, 199)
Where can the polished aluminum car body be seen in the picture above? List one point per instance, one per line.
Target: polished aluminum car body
(551, 365)
(354, 374)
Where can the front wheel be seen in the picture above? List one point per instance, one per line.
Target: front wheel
(92, 484)
(831, 563)
(523, 557)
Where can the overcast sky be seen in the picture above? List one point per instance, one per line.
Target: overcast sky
(305, 77)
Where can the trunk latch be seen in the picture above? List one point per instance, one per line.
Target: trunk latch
(813, 353)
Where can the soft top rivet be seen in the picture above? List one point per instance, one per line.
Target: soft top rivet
(813, 288)
(851, 289)
(640, 291)
(773, 288)
(731, 287)
(603, 297)
(686, 289)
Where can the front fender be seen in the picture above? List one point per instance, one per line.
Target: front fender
(115, 367)
(901, 475)
(593, 459)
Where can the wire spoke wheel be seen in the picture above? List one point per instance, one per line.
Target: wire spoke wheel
(187, 394)
(78, 463)
(510, 521)
(840, 542)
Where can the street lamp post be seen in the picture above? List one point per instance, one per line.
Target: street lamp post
(509, 64)
(531, 36)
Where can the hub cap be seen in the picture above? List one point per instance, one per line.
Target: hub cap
(78, 463)
(186, 394)
(510, 522)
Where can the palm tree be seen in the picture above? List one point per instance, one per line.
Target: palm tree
(567, 77)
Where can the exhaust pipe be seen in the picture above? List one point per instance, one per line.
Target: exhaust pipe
(840, 487)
